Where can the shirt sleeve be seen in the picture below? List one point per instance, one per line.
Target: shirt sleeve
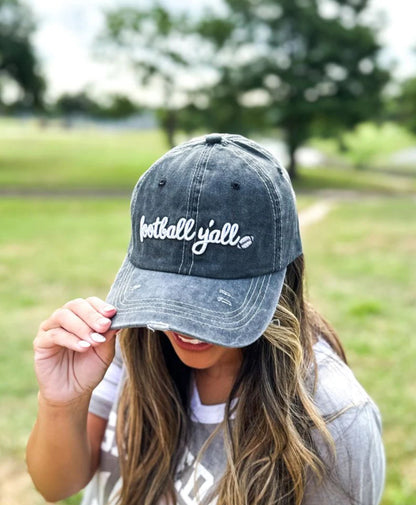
(356, 471)
(105, 394)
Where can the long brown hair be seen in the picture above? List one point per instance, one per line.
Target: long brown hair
(268, 444)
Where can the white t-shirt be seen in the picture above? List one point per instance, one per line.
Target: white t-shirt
(357, 477)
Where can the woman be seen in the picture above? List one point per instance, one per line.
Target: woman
(227, 386)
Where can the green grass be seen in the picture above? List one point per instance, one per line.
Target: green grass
(362, 275)
(371, 145)
(360, 260)
(50, 251)
(326, 178)
(51, 159)
(54, 158)
(361, 265)
(47, 250)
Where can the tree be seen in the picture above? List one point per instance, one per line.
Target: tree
(119, 106)
(18, 62)
(151, 41)
(273, 64)
(309, 71)
(115, 106)
(73, 104)
(404, 108)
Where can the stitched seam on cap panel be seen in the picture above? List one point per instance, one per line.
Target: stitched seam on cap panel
(187, 205)
(175, 150)
(267, 154)
(123, 306)
(133, 205)
(134, 201)
(254, 282)
(146, 175)
(157, 163)
(196, 141)
(197, 206)
(275, 210)
(226, 325)
(132, 306)
(205, 152)
(264, 177)
(125, 278)
(221, 323)
(199, 311)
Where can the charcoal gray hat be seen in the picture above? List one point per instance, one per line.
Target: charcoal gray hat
(214, 226)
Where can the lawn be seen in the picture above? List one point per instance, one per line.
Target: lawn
(50, 251)
(362, 275)
(361, 268)
(54, 158)
(361, 264)
(351, 180)
(373, 145)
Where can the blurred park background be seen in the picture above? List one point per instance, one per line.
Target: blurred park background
(91, 93)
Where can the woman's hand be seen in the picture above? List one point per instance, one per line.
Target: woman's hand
(73, 349)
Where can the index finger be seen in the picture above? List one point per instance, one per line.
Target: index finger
(101, 306)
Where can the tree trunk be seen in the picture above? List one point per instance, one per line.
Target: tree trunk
(342, 146)
(169, 125)
(292, 169)
(295, 135)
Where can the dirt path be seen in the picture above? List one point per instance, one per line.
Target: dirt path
(315, 212)
(16, 487)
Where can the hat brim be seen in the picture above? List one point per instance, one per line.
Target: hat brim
(226, 312)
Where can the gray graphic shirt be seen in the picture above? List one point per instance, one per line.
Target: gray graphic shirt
(357, 475)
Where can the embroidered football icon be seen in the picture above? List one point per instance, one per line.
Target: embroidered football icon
(245, 242)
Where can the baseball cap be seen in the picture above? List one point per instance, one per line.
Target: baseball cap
(214, 226)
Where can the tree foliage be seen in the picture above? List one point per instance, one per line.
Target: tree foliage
(286, 64)
(405, 104)
(151, 41)
(18, 61)
(311, 72)
(115, 106)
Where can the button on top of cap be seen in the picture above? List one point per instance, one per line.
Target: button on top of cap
(214, 138)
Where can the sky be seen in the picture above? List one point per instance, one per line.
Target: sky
(67, 29)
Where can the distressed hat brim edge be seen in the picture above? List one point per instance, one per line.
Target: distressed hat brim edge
(230, 313)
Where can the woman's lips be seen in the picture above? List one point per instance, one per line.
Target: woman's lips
(190, 344)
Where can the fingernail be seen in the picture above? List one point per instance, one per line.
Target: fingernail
(103, 321)
(97, 337)
(84, 343)
(109, 308)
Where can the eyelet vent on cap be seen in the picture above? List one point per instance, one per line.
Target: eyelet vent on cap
(235, 185)
(162, 182)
